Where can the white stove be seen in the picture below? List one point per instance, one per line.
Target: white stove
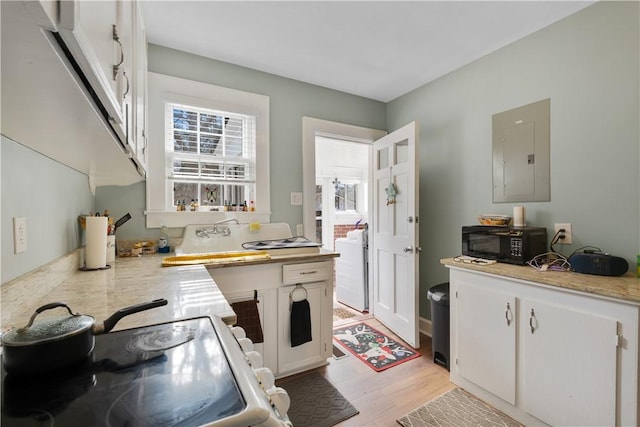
(193, 372)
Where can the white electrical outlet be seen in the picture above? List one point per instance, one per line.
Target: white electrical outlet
(299, 230)
(19, 235)
(568, 237)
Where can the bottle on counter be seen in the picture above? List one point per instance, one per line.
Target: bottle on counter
(252, 206)
(163, 241)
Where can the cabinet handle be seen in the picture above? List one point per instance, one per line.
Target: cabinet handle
(508, 315)
(124, 74)
(116, 38)
(531, 321)
(309, 272)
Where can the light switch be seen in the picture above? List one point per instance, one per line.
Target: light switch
(296, 199)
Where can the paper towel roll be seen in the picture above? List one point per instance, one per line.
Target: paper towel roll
(518, 216)
(96, 243)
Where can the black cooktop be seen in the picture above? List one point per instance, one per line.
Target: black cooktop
(170, 374)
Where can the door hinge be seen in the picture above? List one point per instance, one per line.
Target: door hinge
(619, 340)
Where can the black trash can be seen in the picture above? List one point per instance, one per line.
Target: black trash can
(438, 295)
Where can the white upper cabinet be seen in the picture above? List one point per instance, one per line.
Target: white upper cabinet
(76, 69)
(91, 31)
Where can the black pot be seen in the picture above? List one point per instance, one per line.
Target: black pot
(53, 344)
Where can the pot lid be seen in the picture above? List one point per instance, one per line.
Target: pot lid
(47, 330)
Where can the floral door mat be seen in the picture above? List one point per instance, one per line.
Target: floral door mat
(372, 346)
(457, 408)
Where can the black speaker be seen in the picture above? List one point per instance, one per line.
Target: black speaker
(598, 263)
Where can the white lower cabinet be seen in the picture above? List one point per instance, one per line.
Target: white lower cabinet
(542, 354)
(274, 283)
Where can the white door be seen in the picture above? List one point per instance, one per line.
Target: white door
(394, 234)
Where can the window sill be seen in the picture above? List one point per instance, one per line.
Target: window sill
(156, 219)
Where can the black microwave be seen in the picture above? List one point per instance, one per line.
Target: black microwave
(513, 245)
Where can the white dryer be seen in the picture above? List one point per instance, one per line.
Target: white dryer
(352, 285)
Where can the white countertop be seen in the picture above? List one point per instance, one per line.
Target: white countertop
(189, 290)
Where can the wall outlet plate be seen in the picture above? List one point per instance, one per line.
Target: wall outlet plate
(568, 236)
(19, 235)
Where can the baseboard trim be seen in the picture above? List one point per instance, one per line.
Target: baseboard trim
(424, 325)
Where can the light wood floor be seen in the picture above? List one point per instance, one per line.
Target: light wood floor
(383, 397)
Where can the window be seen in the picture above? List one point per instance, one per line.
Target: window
(211, 157)
(346, 197)
(208, 143)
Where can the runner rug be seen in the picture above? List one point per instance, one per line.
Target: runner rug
(315, 402)
(457, 408)
(372, 346)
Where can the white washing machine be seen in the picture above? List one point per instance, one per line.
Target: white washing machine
(352, 284)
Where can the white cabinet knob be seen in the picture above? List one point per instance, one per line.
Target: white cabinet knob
(246, 344)
(266, 378)
(238, 332)
(255, 359)
(280, 398)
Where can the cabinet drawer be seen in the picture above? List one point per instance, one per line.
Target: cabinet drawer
(306, 273)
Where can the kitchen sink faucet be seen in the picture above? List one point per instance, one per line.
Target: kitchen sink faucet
(224, 230)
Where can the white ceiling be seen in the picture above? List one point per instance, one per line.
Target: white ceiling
(376, 49)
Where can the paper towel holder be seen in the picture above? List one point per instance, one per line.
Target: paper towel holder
(85, 268)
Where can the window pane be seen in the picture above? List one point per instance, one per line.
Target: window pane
(234, 194)
(340, 197)
(350, 196)
(233, 127)
(235, 171)
(234, 147)
(185, 120)
(181, 167)
(210, 123)
(185, 142)
(210, 145)
(212, 170)
(186, 191)
(211, 195)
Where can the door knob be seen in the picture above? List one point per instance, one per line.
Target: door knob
(408, 249)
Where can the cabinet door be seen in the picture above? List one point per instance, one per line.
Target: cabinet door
(569, 365)
(87, 28)
(486, 339)
(291, 359)
(125, 83)
(140, 96)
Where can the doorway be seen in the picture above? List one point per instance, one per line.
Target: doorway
(319, 187)
(342, 188)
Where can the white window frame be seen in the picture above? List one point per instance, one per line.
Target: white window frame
(247, 161)
(165, 89)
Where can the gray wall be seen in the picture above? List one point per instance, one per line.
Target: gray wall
(50, 196)
(588, 65)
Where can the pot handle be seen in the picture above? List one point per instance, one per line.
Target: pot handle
(110, 322)
(44, 308)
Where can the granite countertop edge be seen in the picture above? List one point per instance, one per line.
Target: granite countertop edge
(625, 288)
(189, 290)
